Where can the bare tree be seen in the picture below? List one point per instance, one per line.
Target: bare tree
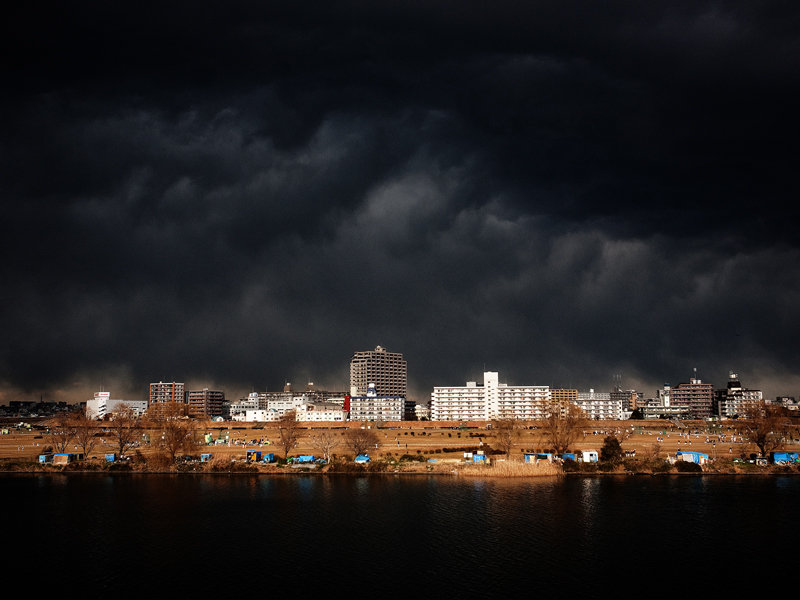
(177, 430)
(125, 427)
(288, 432)
(765, 426)
(652, 453)
(563, 425)
(62, 431)
(361, 439)
(506, 433)
(324, 442)
(86, 430)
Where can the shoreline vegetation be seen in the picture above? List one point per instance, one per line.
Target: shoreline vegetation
(502, 469)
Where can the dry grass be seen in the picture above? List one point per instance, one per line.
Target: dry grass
(219, 463)
(512, 469)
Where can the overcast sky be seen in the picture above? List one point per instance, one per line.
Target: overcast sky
(241, 194)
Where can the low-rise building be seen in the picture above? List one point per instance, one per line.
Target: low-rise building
(270, 406)
(422, 412)
(661, 406)
(103, 405)
(256, 415)
(787, 402)
(321, 411)
(373, 407)
(235, 411)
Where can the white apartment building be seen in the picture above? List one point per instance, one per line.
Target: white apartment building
(463, 403)
(282, 401)
(255, 415)
(600, 405)
(268, 404)
(236, 410)
(321, 411)
(734, 400)
(422, 412)
(527, 402)
(492, 400)
(103, 404)
(373, 407)
(261, 407)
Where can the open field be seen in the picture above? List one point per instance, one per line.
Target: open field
(661, 438)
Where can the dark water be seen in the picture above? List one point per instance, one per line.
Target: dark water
(417, 537)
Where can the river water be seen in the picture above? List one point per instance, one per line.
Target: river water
(397, 536)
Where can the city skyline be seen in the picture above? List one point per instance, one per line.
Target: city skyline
(235, 198)
(301, 388)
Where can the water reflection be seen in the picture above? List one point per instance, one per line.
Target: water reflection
(449, 536)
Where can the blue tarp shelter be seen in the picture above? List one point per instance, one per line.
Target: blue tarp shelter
(691, 456)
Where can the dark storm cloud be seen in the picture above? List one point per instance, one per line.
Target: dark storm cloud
(556, 192)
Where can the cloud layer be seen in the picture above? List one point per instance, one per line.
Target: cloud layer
(559, 193)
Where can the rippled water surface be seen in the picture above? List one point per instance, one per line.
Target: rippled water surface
(386, 536)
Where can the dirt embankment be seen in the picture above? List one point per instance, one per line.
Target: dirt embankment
(422, 440)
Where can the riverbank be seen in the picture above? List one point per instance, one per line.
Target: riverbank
(498, 469)
(417, 447)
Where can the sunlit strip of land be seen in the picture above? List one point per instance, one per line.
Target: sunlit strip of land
(422, 439)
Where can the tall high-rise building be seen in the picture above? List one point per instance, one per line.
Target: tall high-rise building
(387, 370)
(205, 403)
(167, 392)
(697, 396)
